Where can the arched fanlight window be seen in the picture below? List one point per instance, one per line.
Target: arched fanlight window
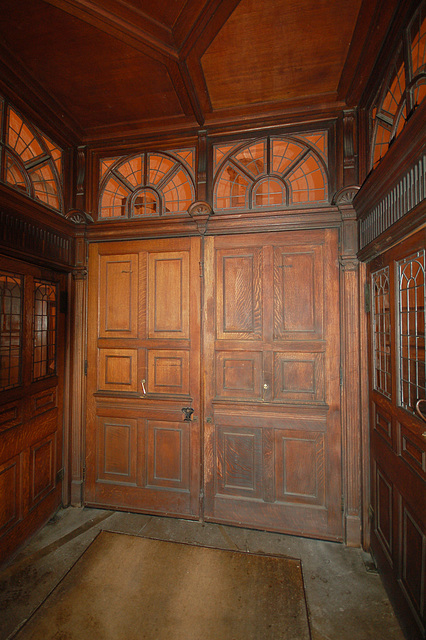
(273, 172)
(147, 184)
(33, 164)
(403, 90)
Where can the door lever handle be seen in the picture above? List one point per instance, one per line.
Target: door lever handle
(143, 387)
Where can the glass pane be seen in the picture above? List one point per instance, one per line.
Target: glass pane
(10, 330)
(44, 329)
(381, 331)
(412, 298)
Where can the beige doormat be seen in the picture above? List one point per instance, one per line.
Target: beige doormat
(130, 588)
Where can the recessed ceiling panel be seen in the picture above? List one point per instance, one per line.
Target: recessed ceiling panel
(98, 79)
(278, 50)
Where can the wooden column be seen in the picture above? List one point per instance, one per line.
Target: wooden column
(77, 378)
(351, 367)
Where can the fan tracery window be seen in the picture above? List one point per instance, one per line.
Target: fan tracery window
(31, 163)
(147, 184)
(404, 88)
(271, 172)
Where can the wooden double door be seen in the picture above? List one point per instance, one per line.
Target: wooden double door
(213, 380)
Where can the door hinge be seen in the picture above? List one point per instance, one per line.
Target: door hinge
(84, 474)
(85, 367)
(60, 475)
(201, 269)
(367, 297)
(342, 502)
(341, 376)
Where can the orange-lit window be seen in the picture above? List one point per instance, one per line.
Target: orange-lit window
(404, 88)
(232, 189)
(114, 199)
(146, 203)
(307, 180)
(418, 44)
(33, 162)
(45, 187)
(276, 171)
(269, 192)
(147, 184)
(16, 174)
(253, 158)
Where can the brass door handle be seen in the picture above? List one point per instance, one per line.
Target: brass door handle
(143, 386)
(420, 412)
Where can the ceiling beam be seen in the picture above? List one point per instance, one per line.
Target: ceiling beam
(136, 29)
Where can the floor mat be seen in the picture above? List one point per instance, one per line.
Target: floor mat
(131, 588)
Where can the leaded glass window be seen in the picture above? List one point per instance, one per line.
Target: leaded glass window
(412, 298)
(44, 329)
(147, 184)
(381, 332)
(10, 330)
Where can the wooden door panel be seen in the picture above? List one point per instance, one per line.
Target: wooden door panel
(168, 454)
(298, 293)
(168, 295)
(168, 371)
(141, 453)
(117, 370)
(272, 438)
(239, 294)
(297, 483)
(118, 288)
(239, 374)
(298, 376)
(11, 492)
(117, 450)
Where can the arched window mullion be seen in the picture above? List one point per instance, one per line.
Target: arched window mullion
(242, 169)
(122, 180)
(168, 176)
(293, 166)
(35, 162)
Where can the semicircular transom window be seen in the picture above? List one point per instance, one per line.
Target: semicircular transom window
(272, 172)
(404, 88)
(147, 184)
(33, 163)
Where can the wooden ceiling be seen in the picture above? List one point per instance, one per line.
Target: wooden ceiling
(113, 69)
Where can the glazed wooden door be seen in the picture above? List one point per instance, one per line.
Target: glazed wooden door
(272, 439)
(32, 352)
(143, 451)
(398, 434)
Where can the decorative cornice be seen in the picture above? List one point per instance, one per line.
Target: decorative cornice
(78, 216)
(346, 195)
(80, 274)
(348, 264)
(200, 212)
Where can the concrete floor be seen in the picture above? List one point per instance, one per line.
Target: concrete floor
(346, 600)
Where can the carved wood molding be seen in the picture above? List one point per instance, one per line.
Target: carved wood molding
(27, 238)
(346, 195)
(200, 212)
(78, 216)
